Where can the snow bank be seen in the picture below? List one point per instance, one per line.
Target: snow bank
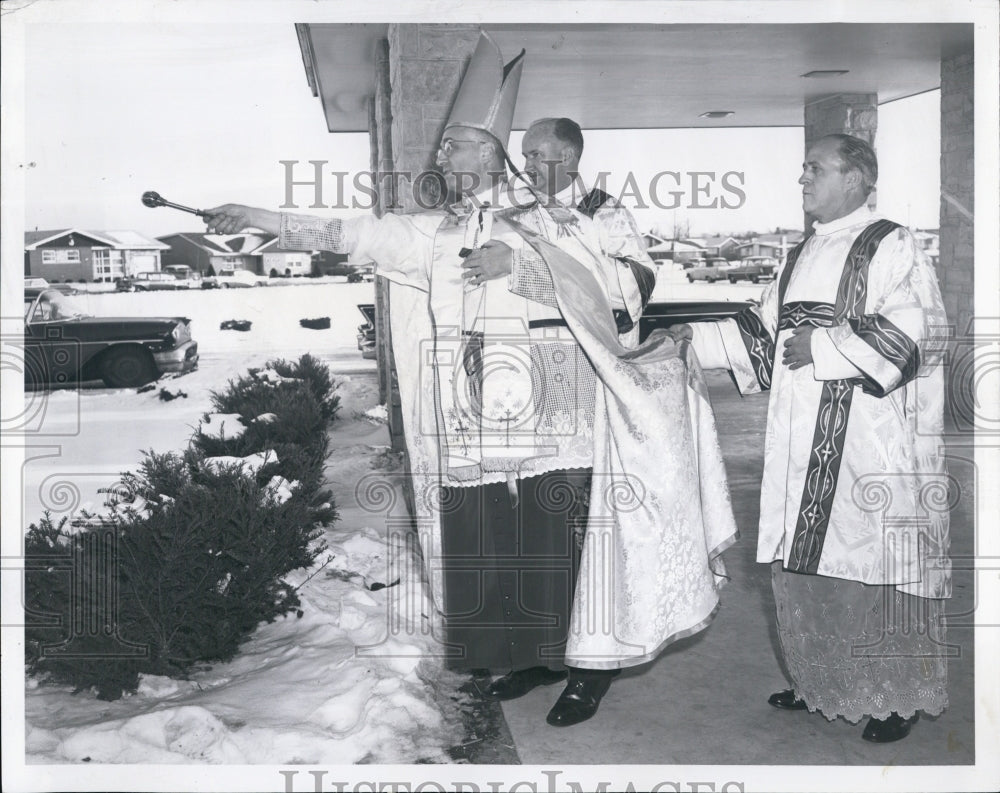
(350, 680)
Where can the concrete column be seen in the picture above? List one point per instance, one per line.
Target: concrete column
(850, 114)
(956, 261)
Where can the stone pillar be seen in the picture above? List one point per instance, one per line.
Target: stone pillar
(426, 64)
(380, 138)
(417, 73)
(850, 114)
(956, 261)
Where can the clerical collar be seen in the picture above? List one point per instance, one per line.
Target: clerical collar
(860, 215)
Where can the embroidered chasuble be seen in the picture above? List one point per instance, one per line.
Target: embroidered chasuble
(496, 387)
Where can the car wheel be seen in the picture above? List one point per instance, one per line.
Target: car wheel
(690, 280)
(755, 280)
(732, 280)
(129, 367)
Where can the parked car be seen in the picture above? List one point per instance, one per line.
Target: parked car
(233, 277)
(147, 282)
(361, 272)
(710, 270)
(661, 314)
(64, 344)
(66, 289)
(187, 278)
(665, 313)
(35, 282)
(754, 269)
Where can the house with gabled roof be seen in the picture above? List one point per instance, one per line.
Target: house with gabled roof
(79, 255)
(210, 253)
(718, 245)
(776, 245)
(276, 261)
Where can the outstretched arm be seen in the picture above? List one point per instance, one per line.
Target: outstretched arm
(400, 246)
(234, 218)
(745, 344)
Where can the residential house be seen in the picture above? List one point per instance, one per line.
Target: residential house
(78, 255)
(327, 263)
(717, 245)
(277, 261)
(210, 253)
(676, 251)
(775, 245)
(652, 239)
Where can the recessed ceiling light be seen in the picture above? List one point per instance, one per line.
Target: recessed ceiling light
(821, 73)
(717, 114)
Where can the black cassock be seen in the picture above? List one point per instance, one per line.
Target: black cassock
(509, 572)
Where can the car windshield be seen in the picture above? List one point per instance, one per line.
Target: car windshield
(52, 305)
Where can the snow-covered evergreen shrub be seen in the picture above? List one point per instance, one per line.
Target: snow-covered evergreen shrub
(191, 555)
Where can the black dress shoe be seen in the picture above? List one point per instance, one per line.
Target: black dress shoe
(786, 700)
(516, 684)
(894, 728)
(580, 699)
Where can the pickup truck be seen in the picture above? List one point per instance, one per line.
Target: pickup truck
(710, 270)
(754, 269)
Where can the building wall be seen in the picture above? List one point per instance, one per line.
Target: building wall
(58, 273)
(956, 260)
(297, 262)
(184, 251)
(426, 64)
(133, 261)
(418, 71)
(850, 114)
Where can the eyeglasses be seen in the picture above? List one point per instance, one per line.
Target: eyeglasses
(448, 144)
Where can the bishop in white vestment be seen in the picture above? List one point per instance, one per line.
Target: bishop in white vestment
(512, 388)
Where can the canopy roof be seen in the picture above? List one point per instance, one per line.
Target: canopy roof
(661, 76)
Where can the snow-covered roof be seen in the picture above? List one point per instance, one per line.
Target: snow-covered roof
(716, 241)
(132, 239)
(674, 246)
(119, 240)
(271, 246)
(247, 243)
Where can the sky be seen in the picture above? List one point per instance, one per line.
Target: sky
(204, 113)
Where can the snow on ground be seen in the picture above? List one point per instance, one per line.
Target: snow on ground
(300, 691)
(101, 432)
(353, 679)
(303, 689)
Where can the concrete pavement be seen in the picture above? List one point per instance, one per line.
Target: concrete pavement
(704, 700)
